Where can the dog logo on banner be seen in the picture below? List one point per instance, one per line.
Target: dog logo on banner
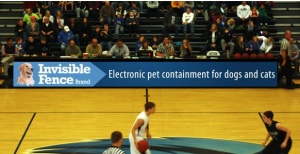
(26, 74)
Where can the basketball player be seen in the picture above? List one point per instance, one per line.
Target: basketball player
(116, 138)
(140, 127)
(281, 141)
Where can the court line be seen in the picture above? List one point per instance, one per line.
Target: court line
(17, 148)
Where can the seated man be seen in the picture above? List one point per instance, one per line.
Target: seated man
(119, 49)
(31, 47)
(165, 48)
(47, 30)
(7, 51)
(170, 22)
(188, 20)
(64, 38)
(94, 49)
(294, 57)
(44, 49)
(73, 50)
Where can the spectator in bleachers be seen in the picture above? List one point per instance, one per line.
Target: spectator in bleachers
(132, 24)
(54, 8)
(28, 4)
(263, 16)
(28, 15)
(152, 7)
(38, 10)
(49, 16)
(47, 30)
(177, 7)
(188, 20)
(139, 43)
(239, 47)
(145, 46)
(224, 7)
(116, 5)
(106, 37)
(254, 16)
(44, 48)
(31, 46)
(154, 42)
(243, 12)
(120, 49)
(107, 13)
(165, 48)
(267, 44)
(69, 5)
(213, 39)
(136, 10)
(249, 31)
(75, 29)
(7, 51)
(121, 10)
(64, 38)
(170, 21)
(214, 13)
(253, 46)
(73, 50)
(219, 24)
(33, 28)
(96, 33)
(267, 4)
(59, 22)
(185, 48)
(227, 41)
(294, 57)
(200, 7)
(93, 7)
(119, 23)
(19, 46)
(94, 49)
(85, 32)
(81, 9)
(231, 25)
(188, 4)
(20, 29)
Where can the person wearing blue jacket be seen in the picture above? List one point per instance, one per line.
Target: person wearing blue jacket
(119, 23)
(64, 38)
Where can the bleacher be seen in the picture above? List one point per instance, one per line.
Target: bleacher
(286, 16)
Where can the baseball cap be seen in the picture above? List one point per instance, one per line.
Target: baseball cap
(66, 28)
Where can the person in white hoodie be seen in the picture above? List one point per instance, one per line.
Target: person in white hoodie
(188, 20)
(243, 13)
(266, 45)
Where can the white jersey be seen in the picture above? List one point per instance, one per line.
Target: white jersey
(141, 131)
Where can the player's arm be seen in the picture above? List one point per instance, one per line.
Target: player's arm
(266, 140)
(283, 55)
(148, 132)
(138, 124)
(287, 136)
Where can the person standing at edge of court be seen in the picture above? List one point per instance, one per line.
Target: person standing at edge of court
(284, 60)
(281, 141)
(117, 140)
(140, 127)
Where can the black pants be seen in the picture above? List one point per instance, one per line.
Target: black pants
(274, 148)
(286, 71)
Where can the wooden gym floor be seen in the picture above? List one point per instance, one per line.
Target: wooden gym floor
(71, 115)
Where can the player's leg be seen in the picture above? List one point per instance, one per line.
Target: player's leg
(288, 147)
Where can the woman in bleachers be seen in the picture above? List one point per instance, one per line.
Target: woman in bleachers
(50, 17)
(85, 30)
(59, 21)
(75, 29)
(139, 43)
(227, 41)
(145, 46)
(154, 43)
(96, 33)
(239, 47)
(253, 46)
(213, 39)
(185, 48)
(263, 15)
(106, 37)
(250, 31)
(254, 16)
(267, 44)
(231, 25)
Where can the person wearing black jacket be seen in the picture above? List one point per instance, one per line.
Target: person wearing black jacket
(213, 39)
(106, 37)
(96, 33)
(170, 22)
(81, 9)
(44, 49)
(20, 29)
(47, 30)
(226, 41)
(85, 32)
(132, 24)
(74, 28)
(31, 47)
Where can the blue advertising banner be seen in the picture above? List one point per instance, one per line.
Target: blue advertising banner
(146, 74)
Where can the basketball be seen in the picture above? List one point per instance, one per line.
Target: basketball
(261, 56)
(237, 56)
(245, 56)
(143, 146)
(270, 56)
(253, 56)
